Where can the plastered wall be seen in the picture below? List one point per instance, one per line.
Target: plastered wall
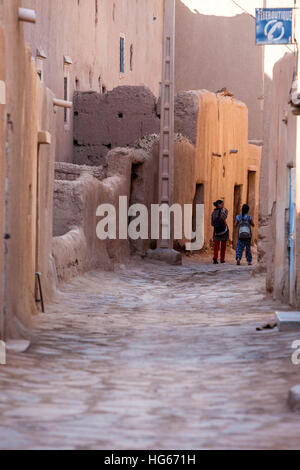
(76, 248)
(2, 133)
(218, 127)
(218, 155)
(88, 32)
(215, 51)
(28, 110)
(116, 119)
(280, 157)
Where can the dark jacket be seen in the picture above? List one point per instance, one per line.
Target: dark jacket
(220, 215)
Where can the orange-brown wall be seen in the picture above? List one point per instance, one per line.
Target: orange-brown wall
(280, 157)
(223, 127)
(30, 109)
(217, 125)
(215, 51)
(89, 32)
(2, 144)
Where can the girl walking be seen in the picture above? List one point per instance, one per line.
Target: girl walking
(244, 222)
(221, 231)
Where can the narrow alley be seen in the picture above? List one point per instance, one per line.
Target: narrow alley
(155, 357)
(144, 146)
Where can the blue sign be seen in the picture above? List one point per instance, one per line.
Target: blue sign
(274, 25)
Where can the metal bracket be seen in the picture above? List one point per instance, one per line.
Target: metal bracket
(41, 299)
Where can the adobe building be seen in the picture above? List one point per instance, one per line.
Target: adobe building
(262, 77)
(100, 158)
(2, 131)
(213, 158)
(226, 166)
(34, 132)
(215, 48)
(28, 135)
(279, 194)
(278, 247)
(93, 45)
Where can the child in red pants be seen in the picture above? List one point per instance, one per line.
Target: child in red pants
(216, 251)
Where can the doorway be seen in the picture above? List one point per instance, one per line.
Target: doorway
(198, 199)
(236, 210)
(251, 191)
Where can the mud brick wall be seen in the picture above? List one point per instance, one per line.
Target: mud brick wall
(118, 118)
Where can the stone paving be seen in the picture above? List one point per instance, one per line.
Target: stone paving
(154, 357)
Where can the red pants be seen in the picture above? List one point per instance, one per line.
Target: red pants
(223, 250)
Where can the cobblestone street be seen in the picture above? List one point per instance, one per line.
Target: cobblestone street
(153, 357)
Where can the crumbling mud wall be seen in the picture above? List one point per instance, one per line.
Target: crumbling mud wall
(116, 119)
(71, 172)
(187, 114)
(76, 247)
(215, 160)
(184, 179)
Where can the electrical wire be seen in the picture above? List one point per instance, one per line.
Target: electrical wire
(243, 9)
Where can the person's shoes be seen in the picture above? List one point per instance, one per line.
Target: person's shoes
(223, 262)
(215, 261)
(249, 264)
(238, 262)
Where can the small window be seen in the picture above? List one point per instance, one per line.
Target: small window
(40, 68)
(122, 54)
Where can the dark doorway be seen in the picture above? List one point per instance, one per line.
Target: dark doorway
(236, 210)
(198, 199)
(251, 191)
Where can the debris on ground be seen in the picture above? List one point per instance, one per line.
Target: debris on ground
(268, 326)
(294, 398)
